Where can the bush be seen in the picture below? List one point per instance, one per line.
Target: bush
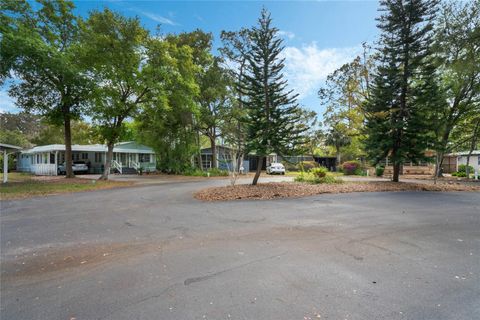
(459, 174)
(300, 178)
(313, 179)
(307, 165)
(463, 168)
(379, 171)
(290, 166)
(319, 172)
(352, 168)
(217, 172)
(328, 179)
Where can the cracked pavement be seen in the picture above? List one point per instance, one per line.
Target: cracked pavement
(154, 252)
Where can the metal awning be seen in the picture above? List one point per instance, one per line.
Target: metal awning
(6, 148)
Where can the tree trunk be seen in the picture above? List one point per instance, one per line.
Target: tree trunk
(396, 172)
(108, 161)
(339, 159)
(259, 170)
(240, 162)
(438, 166)
(199, 155)
(68, 144)
(213, 146)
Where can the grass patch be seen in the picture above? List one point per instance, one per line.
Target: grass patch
(17, 176)
(21, 186)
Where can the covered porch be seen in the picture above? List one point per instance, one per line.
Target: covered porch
(50, 160)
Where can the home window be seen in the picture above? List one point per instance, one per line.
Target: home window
(84, 155)
(98, 157)
(144, 157)
(52, 158)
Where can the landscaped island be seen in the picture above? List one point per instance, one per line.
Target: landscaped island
(276, 190)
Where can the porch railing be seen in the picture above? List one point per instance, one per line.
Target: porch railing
(135, 165)
(116, 165)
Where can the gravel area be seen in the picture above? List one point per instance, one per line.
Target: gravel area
(275, 190)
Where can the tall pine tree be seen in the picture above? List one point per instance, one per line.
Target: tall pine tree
(272, 109)
(403, 86)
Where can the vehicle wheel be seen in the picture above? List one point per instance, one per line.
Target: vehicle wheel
(283, 173)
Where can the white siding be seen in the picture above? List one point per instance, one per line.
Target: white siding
(44, 169)
(474, 161)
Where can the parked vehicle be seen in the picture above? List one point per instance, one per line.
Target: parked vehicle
(77, 167)
(276, 168)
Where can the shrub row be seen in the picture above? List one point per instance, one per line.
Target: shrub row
(316, 176)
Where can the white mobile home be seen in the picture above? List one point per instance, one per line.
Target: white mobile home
(128, 157)
(474, 159)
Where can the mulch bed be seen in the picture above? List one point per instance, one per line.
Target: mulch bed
(276, 190)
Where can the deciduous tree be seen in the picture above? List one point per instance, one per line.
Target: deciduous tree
(457, 48)
(41, 48)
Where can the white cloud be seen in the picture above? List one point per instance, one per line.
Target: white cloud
(307, 67)
(156, 17)
(286, 34)
(7, 104)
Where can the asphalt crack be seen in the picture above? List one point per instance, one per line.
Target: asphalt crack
(189, 281)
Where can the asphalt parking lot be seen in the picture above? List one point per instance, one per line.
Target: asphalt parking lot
(154, 252)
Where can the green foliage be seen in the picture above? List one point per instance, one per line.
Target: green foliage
(215, 102)
(13, 137)
(272, 110)
(307, 165)
(456, 48)
(313, 179)
(82, 133)
(343, 95)
(379, 170)
(168, 123)
(403, 91)
(462, 171)
(352, 168)
(463, 168)
(337, 137)
(11, 162)
(41, 48)
(112, 51)
(26, 130)
(319, 172)
(459, 174)
(291, 166)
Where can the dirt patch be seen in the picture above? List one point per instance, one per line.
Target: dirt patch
(275, 190)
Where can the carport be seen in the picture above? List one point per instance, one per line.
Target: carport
(7, 149)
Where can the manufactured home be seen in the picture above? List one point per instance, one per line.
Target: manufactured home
(459, 158)
(128, 157)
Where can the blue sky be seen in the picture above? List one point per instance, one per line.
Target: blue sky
(319, 35)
